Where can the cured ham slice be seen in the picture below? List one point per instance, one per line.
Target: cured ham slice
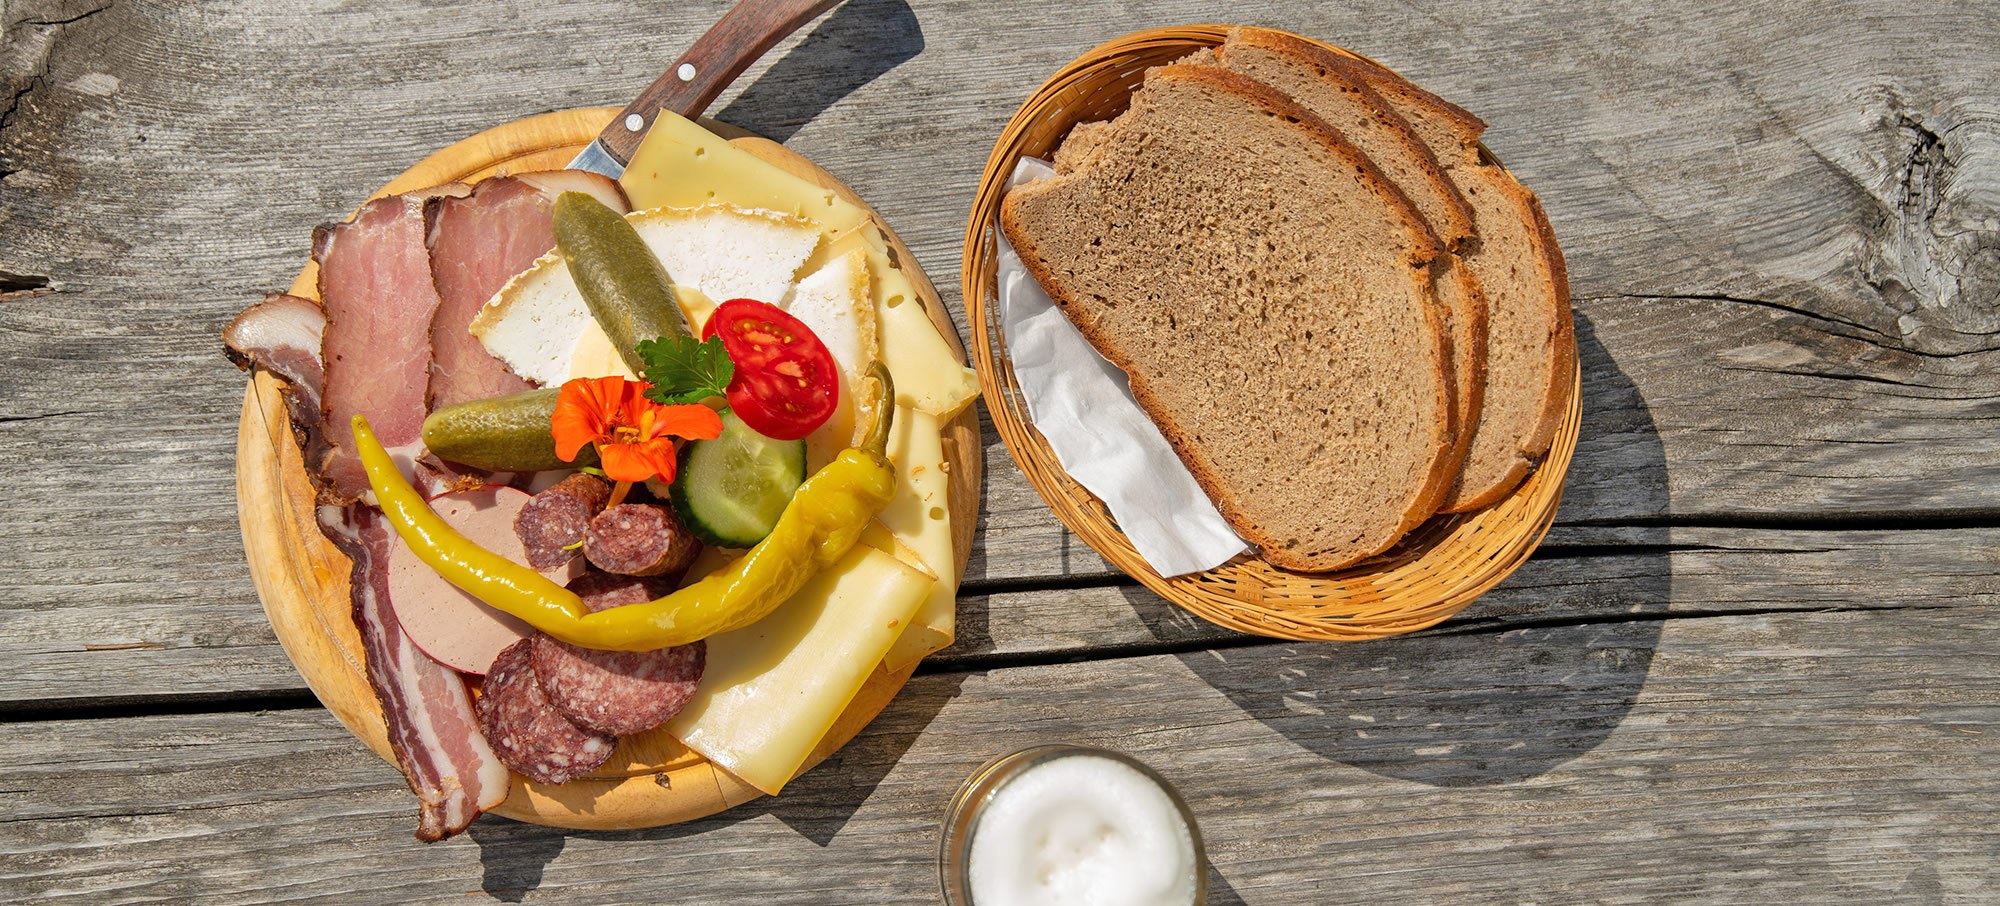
(375, 282)
(477, 243)
(282, 335)
(431, 723)
(367, 350)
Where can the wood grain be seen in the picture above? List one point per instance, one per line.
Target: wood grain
(1778, 219)
(1625, 762)
(1725, 181)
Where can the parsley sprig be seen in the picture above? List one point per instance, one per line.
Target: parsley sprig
(685, 370)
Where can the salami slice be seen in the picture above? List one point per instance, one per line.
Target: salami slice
(556, 519)
(528, 734)
(618, 692)
(602, 591)
(639, 539)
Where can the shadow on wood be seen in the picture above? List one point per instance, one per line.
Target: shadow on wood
(1219, 891)
(860, 41)
(1535, 673)
(816, 805)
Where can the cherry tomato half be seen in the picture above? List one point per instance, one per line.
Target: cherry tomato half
(786, 384)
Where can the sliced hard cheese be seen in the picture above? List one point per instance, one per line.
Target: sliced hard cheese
(534, 321)
(880, 538)
(680, 164)
(927, 373)
(593, 356)
(772, 689)
(920, 518)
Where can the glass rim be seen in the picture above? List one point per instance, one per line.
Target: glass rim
(961, 815)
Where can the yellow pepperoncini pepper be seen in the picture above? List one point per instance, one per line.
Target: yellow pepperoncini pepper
(821, 523)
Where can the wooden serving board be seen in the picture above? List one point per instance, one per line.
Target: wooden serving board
(303, 579)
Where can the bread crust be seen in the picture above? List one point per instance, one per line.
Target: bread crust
(1562, 338)
(1458, 229)
(1472, 385)
(1530, 446)
(1424, 248)
(1469, 302)
(1386, 81)
(1559, 364)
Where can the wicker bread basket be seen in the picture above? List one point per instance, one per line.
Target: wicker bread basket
(1425, 578)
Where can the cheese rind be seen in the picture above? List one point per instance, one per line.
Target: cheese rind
(534, 321)
(772, 689)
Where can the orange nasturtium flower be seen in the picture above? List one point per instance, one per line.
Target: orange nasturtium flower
(634, 435)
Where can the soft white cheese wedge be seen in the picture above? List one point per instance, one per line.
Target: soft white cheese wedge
(772, 689)
(835, 303)
(717, 252)
(726, 252)
(533, 322)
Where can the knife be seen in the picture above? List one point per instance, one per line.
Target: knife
(695, 80)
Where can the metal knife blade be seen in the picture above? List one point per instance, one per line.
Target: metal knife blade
(695, 80)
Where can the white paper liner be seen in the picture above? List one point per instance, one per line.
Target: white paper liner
(1083, 405)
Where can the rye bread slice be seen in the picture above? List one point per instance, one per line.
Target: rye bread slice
(1267, 290)
(1316, 79)
(1531, 348)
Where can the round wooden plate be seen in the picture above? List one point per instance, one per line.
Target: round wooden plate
(1429, 575)
(302, 578)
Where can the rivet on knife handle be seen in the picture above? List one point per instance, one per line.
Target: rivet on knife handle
(695, 80)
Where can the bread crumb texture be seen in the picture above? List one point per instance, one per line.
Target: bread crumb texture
(1267, 293)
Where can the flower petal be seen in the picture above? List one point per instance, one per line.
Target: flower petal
(638, 462)
(691, 420)
(579, 418)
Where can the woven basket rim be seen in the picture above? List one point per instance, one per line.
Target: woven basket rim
(1433, 573)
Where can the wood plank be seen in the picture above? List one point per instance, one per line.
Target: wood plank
(1796, 328)
(1756, 758)
(82, 654)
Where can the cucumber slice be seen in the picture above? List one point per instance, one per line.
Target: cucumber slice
(731, 490)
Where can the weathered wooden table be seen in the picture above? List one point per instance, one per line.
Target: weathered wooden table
(1758, 659)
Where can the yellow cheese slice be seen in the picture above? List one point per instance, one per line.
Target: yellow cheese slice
(772, 689)
(680, 164)
(920, 518)
(881, 539)
(593, 356)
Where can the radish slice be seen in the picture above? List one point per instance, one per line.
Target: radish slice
(453, 627)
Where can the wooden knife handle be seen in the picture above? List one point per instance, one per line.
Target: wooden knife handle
(695, 80)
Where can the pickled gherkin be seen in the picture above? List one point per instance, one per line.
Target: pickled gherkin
(502, 434)
(628, 292)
